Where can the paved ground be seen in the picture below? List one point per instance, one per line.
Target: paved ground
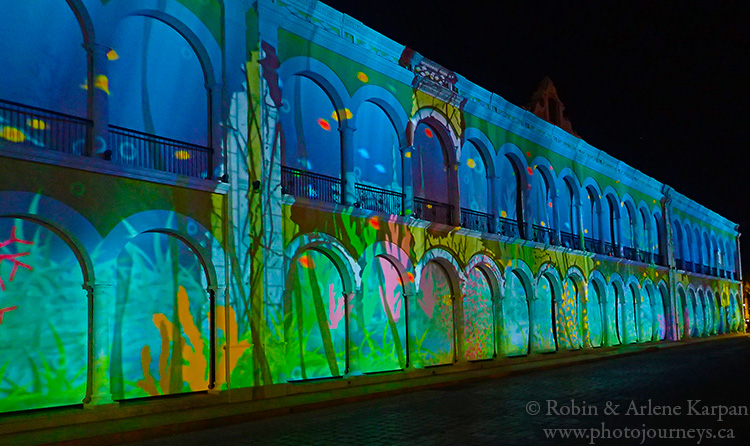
(608, 395)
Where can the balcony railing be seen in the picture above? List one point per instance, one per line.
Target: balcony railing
(314, 186)
(478, 221)
(23, 124)
(610, 249)
(590, 244)
(542, 234)
(643, 256)
(508, 227)
(679, 264)
(380, 200)
(714, 271)
(568, 240)
(429, 210)
(629, 253)
(139, 149)
(659, 259)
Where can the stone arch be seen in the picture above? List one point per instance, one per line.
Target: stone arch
(519, 294)
(629, 224)
(480, 292)
(348, 269)
(434, 335)
(645, 242)
(319, 73)
(448, 134)
(84, 20)
(388, 103)
(569, 209)
(483, 144)
(513, 195)
(548, 310)
(549, 199)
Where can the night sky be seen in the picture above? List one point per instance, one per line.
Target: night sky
(662, 86)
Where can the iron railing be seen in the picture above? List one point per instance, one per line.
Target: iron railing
(478, 221)
(660, 259)
(508, 227)
(610, 249)
(714, 271)
(630, 253)
(429, 210)
(705, 269)
(314, 186)
(23, 124)
(688, 265)
(679, 264)
(380, 200)
(542, 234)
(591, 244)
(569, 240)
(139, 149)
(644, 256)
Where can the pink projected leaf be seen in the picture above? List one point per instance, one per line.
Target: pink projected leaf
(13, 258)
(335, 308)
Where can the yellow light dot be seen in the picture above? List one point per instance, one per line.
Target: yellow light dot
(12, 134)
(407, 154)
(345, 112)
(585, 231)
(362, 77)
(503, 214)
(542, 223)
(112, 55)
(182, 155)
(471, 163)
(102, 82)
(36, 124)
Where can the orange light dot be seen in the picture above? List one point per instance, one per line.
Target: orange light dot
(375, 223)
(531, 172)
(428, 132)
(324, 124)
(306, 262)
(549, 204)
(528, 154)
(362, 77)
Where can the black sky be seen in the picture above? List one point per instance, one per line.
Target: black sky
(661, 85)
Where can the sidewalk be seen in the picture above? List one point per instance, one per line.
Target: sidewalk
(144, 419)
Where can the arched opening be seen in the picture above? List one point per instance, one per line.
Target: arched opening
(479, 326)
(378, 319)
(162, 333)
(431, 178)
(568, 316)
(311, 147)
(511, 197)
(543, 314)
(43, 319)
(595, 316)
(44, 77)
(542, 206)
(591, 215)
(629, 228)
(315, 321)
(677, 243)
(569, 220)
(645, 314)
(156, 71)
(628, 319)
(660, 308)
(432, 332)
(682, 321)
(614, 313)
(377, 161)
(610, 226)
(706, 254)
(645, 236)
(712, 312)
(474, 189)
(700, 315)
(515, 306)
(658, 241)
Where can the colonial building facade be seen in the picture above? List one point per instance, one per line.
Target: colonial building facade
(239, 197)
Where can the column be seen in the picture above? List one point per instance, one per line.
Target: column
(101, 299)
(406, 179)
(494, 183)
(215, 169)
(97, 144)
(348, 192)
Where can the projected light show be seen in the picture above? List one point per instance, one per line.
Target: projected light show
(247, 204)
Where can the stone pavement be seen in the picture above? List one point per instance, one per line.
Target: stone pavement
(496, 411)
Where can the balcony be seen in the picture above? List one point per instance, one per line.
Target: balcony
(313, 186)
(542, 234)
(509, 228)
(45, 129)
(429, 210)
(379, 200)
(591, 244)
(478, 221)
(22, 124)
(643, 256)
(569, 240)
(139, 149)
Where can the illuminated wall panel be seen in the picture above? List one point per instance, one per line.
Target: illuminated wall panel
(431, 319)
(515, 305)
(541, 331)
(378, 315)
(316, 327)
(594, 314)
(479, 326)
(161, 342)
(43, 319)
